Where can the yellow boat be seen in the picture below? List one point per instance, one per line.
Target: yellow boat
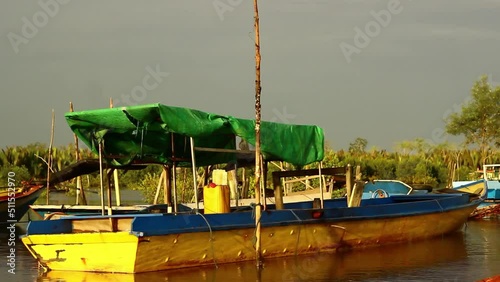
(153, 242)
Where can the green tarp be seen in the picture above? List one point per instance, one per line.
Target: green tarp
(143, 134)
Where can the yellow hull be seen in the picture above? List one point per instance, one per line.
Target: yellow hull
(126, 253)
(97, 252)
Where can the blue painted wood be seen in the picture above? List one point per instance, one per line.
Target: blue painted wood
(49, 227)
(299, 213)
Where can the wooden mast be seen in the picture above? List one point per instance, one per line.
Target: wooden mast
(258, 207)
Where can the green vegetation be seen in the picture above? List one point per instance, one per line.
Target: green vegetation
(479, 120)
(412, 161)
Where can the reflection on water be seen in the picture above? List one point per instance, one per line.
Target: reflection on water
(463, 256)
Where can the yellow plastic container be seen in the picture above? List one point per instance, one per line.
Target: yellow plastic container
(216, 199)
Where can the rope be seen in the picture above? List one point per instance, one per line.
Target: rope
(298, 234)
(211, 237)
(254, 239)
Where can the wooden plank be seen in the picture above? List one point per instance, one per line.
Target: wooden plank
(348, 182)
(219, 150)
(310, 172)
(357, 194)
(278, 192)
(302, 179)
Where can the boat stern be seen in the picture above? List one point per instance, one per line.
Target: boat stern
(85, 251)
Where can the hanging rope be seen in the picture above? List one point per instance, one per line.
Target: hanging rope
(211, 237)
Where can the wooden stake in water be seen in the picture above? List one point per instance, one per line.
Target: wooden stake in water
(258, 253)
(49, 161)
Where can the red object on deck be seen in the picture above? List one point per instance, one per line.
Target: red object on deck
(490, 279)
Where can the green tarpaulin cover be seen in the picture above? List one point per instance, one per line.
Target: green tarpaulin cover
(143, 134)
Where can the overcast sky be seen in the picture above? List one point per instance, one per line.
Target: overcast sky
(386, 71)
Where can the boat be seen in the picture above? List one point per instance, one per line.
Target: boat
(412, 257)
(218, 234)
(385, 188)
(489, 189)
(136, 243)
(84, 167)
(154, 242)
(15, 201)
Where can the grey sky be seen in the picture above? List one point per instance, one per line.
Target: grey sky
(417, 68)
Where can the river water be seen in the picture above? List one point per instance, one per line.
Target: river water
(468, 255)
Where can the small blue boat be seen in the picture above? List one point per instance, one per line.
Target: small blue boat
(489, 189)
(387, 188)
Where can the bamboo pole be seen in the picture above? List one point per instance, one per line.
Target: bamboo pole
(321, 184)
(174, 173)
(348, 181)
(80, 194)
(195, 183)
(117, 187)
(108, 180)
(115, 173)
(50, 155)
(244, 184)
(167, 185)
(101, 178)
(258, 253)
(158, 188)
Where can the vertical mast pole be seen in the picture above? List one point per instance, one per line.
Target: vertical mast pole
(258, 211)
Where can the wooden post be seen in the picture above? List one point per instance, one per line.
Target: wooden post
(348, 182)
(264, 182)
(50, 155)
(184, 184)
(278, 192)
(205, 176)
(101, 177)
(80, 194)
(233, 184)
(167, 181)
(244, 184)
(174, 174)
(108, 178)
(358, 173)
(117, 187)
(321, 184)
(195, 183)
(115, 172)
(258, 253)
(158, 188)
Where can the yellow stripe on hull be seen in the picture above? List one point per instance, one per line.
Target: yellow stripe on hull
(124, 252)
